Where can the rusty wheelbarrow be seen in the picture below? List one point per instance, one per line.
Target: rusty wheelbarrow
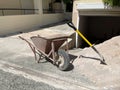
(49, 48)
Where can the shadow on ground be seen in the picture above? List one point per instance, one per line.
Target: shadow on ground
(71, 66)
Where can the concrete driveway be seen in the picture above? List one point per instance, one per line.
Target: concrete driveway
(85, 74)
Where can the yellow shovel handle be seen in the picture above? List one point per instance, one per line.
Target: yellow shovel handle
(79, 33)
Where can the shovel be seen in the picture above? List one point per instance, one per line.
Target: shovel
(102, 60)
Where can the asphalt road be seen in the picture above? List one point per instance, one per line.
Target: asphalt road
(10, 81)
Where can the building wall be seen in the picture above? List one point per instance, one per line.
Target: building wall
(29, 4)
(16, 4)
(46, 4)
(9, 4)
(75, 13)
(22, 23)
(19, 4)
(96, 26)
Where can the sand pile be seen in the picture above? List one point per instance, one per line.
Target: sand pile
(102, 75)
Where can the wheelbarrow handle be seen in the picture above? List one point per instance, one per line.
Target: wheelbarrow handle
(21, 38)
(72, 25)
(25, 40)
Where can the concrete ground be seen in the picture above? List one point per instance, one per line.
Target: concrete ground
(86, 73)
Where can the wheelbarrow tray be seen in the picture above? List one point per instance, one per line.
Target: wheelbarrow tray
(44, 44)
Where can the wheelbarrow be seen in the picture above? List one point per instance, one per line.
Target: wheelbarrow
(49, 48)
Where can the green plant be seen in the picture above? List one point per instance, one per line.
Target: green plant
(112, 2)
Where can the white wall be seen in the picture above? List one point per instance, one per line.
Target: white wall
(9, 4)
(12, 24)
(27, 4)
(19, 4)
(21, 23)
(46, 4)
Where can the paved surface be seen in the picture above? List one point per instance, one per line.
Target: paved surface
(10, 81)
(17, 60)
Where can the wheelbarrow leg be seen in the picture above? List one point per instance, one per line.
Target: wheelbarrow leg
(41, 56)
(33, 49)
(35, 52)
(67, 47)
(53, 52)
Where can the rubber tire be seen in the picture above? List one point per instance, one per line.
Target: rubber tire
(65, 62)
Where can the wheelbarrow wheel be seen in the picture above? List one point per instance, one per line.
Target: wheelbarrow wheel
(64, 60)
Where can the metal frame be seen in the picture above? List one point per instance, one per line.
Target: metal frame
(43, 54)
